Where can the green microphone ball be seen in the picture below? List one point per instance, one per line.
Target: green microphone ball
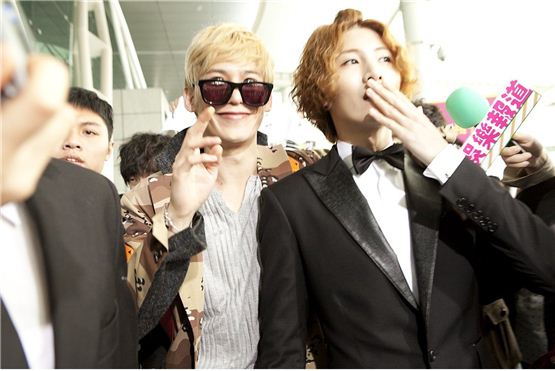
(466, 107)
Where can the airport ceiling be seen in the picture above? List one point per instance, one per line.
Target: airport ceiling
(486, 42)
(161, 30)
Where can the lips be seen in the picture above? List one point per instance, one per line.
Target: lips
(233, 115)
(74, 160)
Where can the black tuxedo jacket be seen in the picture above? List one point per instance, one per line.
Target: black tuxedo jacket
(77, 218)
(321, 250)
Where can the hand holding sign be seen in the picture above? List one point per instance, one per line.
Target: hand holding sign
(497, 124)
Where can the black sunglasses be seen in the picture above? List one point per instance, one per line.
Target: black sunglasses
(218, 92)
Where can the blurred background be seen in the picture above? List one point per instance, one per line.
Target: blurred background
(132, 52)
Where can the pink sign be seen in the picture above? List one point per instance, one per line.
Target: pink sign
(506, 114)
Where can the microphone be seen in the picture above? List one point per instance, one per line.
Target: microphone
(466, 107)
(493, 125)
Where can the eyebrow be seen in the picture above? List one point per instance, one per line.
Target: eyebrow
(223, 72)
(87, 123)
(380, 48)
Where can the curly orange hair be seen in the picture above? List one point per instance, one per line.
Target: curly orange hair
(315, 78)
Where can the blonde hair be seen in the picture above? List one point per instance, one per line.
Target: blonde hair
(315, 78)
(225, 43)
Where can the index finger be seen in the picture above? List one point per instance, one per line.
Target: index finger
(197, 130)
(394, 97)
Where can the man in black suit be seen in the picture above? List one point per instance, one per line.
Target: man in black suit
(387, 251)
(530, 169)
(64, 298)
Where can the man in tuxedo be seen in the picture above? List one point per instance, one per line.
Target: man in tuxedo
(64, 298)
(393, 251)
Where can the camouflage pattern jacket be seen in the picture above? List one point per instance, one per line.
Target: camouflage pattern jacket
(166, 274)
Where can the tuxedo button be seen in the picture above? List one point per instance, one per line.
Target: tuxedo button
(432, 355)
(492, 227)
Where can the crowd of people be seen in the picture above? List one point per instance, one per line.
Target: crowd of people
(392, 250)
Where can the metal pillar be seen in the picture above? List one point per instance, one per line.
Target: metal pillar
(416, 33)
(87, 46)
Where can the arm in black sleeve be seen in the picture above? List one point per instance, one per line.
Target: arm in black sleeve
(524, 240)
(169, 277)
(127, 341)
(283, 296)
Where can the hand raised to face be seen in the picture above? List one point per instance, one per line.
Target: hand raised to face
(33, 122)
(407, 122)
(194, 172)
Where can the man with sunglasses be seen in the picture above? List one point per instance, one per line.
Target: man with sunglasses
(192, 245)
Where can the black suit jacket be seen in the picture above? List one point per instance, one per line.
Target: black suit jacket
(321, 249)
(77, 217)
(541, 200)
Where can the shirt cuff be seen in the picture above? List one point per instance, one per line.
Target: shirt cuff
(444, 164)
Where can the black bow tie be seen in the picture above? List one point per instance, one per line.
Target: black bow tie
(362, 157)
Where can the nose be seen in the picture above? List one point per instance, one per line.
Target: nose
(236, 97)
(71, 142)
(71, 145)
(374, 75)
(373, 71)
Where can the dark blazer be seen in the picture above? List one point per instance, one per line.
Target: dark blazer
(77, 215)
(322, 250)
(541, 200)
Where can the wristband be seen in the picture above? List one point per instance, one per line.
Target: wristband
(169, 222)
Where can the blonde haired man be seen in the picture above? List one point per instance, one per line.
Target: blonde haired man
(192, 245)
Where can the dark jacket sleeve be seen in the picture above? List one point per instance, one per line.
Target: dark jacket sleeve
(128, 341)
(524, 240)
(283, 294)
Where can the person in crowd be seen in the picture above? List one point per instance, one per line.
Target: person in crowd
(65, 302)
(191, 227)
(138, 156)
(385, 242)
(433, 113)
(528, 165)
(89, 143)
(530, 169)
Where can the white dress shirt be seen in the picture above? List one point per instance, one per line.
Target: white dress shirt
(383, 187)
(23, 288)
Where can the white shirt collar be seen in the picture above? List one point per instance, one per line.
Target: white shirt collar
(10, 214)
(345, 151)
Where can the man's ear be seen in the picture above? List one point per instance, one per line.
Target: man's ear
(110, 150)
(188, 97)
(268, 105)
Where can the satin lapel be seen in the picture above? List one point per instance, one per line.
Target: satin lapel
(424, 205)
(333, 184)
